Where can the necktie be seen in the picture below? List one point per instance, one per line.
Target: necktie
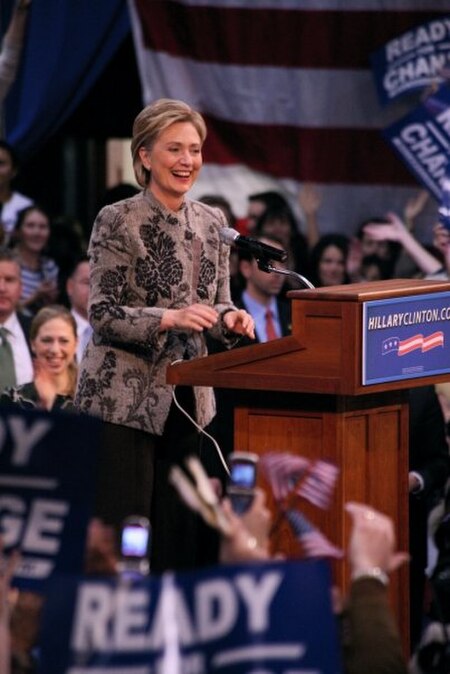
(7, 370)
(84, 339)
(271, 332)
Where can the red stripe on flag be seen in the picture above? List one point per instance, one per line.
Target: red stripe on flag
(410, 344)
(284, 38)
(321, 155)
(432, 341)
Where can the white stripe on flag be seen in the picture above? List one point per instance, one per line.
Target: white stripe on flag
(269, 95)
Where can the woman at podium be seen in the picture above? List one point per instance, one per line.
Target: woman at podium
(159, 281)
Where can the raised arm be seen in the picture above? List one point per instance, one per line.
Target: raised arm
(309, 201)
(395, 230)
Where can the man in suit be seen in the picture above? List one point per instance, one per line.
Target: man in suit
(14, 326)
(261, 296)
(77, 288)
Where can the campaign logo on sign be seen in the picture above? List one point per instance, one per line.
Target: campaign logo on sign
(47, 470)
(404, 346)
(413, 60)
(406, 338)
(230, 620)
(422, 139)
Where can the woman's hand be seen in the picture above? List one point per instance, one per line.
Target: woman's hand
(197, 317)
(240, 322)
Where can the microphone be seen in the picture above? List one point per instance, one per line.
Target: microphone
(256, 248)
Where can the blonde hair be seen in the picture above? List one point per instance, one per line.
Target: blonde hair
(152, 121)
(47, 314)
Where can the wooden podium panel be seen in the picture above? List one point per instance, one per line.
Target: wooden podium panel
(304, 394)
(364, 441)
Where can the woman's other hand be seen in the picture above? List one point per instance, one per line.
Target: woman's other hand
(197, 317)
(240, 322)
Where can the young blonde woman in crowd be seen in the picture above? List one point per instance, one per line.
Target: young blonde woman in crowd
(53, 337)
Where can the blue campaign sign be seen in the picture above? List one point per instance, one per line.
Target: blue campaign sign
(413, 60)
(406, 338)
(47, 472)
(274, 618)
(422, 139)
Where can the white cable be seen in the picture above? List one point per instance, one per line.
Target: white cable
(199, 428)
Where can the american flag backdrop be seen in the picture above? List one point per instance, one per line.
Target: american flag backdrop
(288, 96)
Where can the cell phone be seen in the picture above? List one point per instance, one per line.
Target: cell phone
(242, 481)
(135, 542)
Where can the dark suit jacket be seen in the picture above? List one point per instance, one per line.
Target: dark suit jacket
(25, 324)
(428, 456)
(428, 449)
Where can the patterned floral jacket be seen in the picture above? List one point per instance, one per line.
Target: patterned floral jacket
(144, 259)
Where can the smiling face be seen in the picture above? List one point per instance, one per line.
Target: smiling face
(332, 266)
(34, 231)
(174, 161)
(55, 346)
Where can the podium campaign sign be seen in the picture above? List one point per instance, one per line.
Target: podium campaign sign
(406, 338)
(47, 472)
(274, 618)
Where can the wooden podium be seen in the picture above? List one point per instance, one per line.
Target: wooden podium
(304, 394)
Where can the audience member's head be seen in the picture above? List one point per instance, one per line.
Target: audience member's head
(77, 287)
(259, 202)
(66, 244)
(32, 230)
(10, 284)
(278, 222)
(385, 250)
(328, 261)
(53, 337)
(261, 285)
(374, 268)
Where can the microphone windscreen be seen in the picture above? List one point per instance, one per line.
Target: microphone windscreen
(228, 235)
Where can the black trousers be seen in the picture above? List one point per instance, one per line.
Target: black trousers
(133, 480)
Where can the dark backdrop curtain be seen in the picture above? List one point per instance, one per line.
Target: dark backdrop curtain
(68, 45)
